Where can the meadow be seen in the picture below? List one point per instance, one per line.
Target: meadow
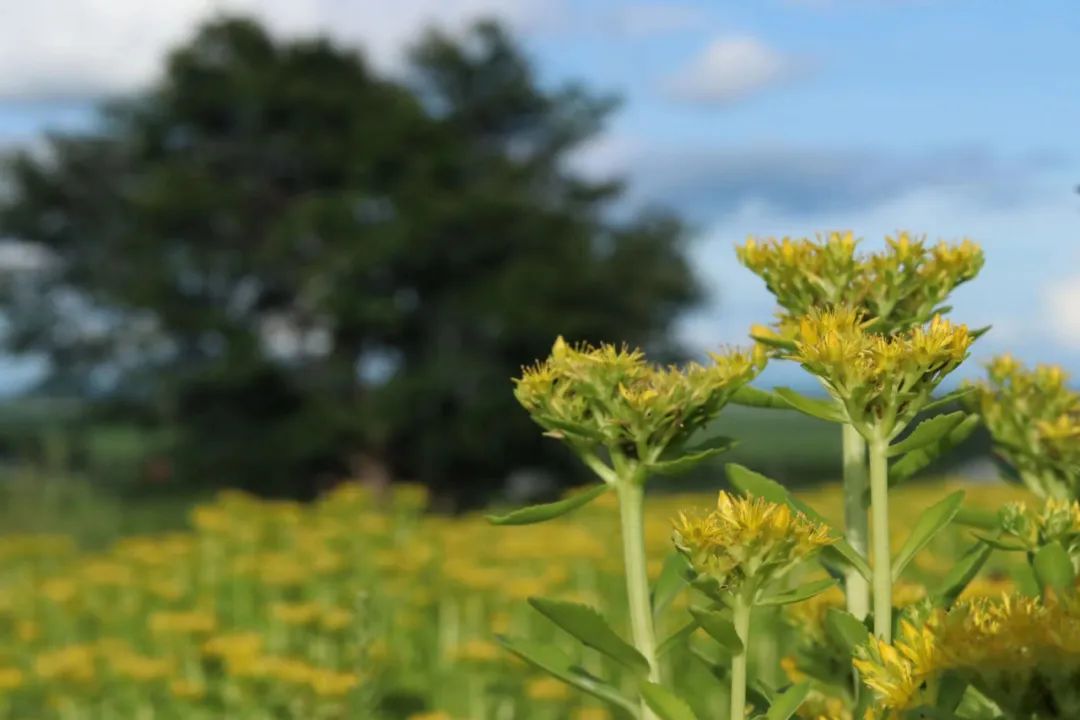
(360, 605)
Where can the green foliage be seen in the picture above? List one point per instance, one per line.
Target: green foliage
(302, 265)
(591, 629)
(549, 511)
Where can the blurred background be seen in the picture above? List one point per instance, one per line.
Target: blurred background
(273, 245)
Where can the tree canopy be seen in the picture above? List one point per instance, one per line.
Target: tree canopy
(296, 263)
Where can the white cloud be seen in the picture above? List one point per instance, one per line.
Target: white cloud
(1061, 301)
(84, 48)
(730, 69)
(647, 19)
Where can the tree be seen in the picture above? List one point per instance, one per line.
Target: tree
(295, 263)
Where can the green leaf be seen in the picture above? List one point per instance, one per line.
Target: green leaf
(927, 432)
(1026, 582)
(719, 628)
(691, 457)
(774, 341)
(589, 627)
(540, 513)
(756, 484)
(673, 578)
(664, 703)
(750, 396)
(846, 629)
(1053, 568)
(916, 460)
(676, 638)
(962, 572)
(828, 410)
(977, 333)
(948, 398)
(555, 662)
(977, 518)
(798, 594)
(788, 702)
(998, 544)
(929, 524)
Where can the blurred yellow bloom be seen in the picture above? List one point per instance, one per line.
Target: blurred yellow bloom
(547, 688)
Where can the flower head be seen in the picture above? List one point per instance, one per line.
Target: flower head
(1034, 419)
(897, 672)
(611, 397)
(902, 286)
(880, 379)
(746, 542)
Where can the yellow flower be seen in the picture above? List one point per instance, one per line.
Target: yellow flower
(882, 381)
(547, 688)
(11, 679)
(897, 672)
(187, 689)
(902, 286)
(330, 683)
(1034, 419)
(611, 397)
(194, 622)
(747, 540)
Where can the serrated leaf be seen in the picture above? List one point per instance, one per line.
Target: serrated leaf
(676, 638)
(798, 594)
(928, 431)
(750, 396)
(828, 410)
(929, 524)
(846, 629)
(785, 705)
(1053, 568)
(719, 628)
(673, 578)
(948, 398)
(556, 663)
(548, 511)
(589, 626)
(665, 703)
(916, 460)
(754, 483)
(962, 572)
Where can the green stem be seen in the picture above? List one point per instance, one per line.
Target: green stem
(879, 507)
(856, 522)
(631, 492)
(741, 619)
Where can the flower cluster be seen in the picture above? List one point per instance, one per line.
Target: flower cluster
(882, 380)
(902, 286)
(1021, 653)
(1034, 419)
(612, 397)
(1056, 521)
(747, 542)
(898, 672)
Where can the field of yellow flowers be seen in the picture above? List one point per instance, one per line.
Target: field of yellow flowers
(359, 605)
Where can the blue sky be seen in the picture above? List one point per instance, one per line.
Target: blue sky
(947, 117)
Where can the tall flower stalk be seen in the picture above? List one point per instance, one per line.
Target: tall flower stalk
(739, 551)
(627, 420)
(881, 382)
(899, 288)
